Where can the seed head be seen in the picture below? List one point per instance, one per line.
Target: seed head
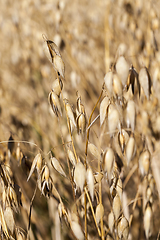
(103, 109)
(55, 103)
(108, 79)
(122, 69)
(123, 228)
(99, 212)
(80, 175)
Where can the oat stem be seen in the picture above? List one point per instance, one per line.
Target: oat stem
(89, 123)
(91, 206)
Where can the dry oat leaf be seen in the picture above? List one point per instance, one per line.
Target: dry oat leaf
(99, 212)
(123, 228)
(130, 149)
(57, 86)
(108, 162)
(80, 175)
(69, 112)
(131, 114)
(122, 69)
(117, 207)
(9, 219)
(33, 165)
(144, 162)
(57, 166)
(76, 229)
(117, 86)
(94, 150)
(71, 157)
(113, 119)
(103, 109)
(111, 221)
(148, 220)
(55, 103)
(108, 79)
(3, 223)
(145, 81)
(90, 182)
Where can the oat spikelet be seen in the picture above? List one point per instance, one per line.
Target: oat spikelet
(123, 138)
(103, 109)
(131, 114)
(108, 162)
(108, 79)
(117, 207)
(34, 165)
(57, 166)
(90, 182)
(148, 220)
(81, 124)
(69, 112)
(9, 219)
(80, 175)
(71, 157)
(111, 221)
(113, 119)
(119, 188)
(130, 149)
(117, 86)
(55, 103)
(94, 150)
(123, 228)
(144, 162)
(54, 56)
(57, 86)
(99, 212)
(145, 81)
(122, 69)
(77, 230)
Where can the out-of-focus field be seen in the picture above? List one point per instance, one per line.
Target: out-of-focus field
(90, 36)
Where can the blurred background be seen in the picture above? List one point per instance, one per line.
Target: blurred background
(90, 36)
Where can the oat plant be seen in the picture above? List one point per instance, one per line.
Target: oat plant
(109, 163)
